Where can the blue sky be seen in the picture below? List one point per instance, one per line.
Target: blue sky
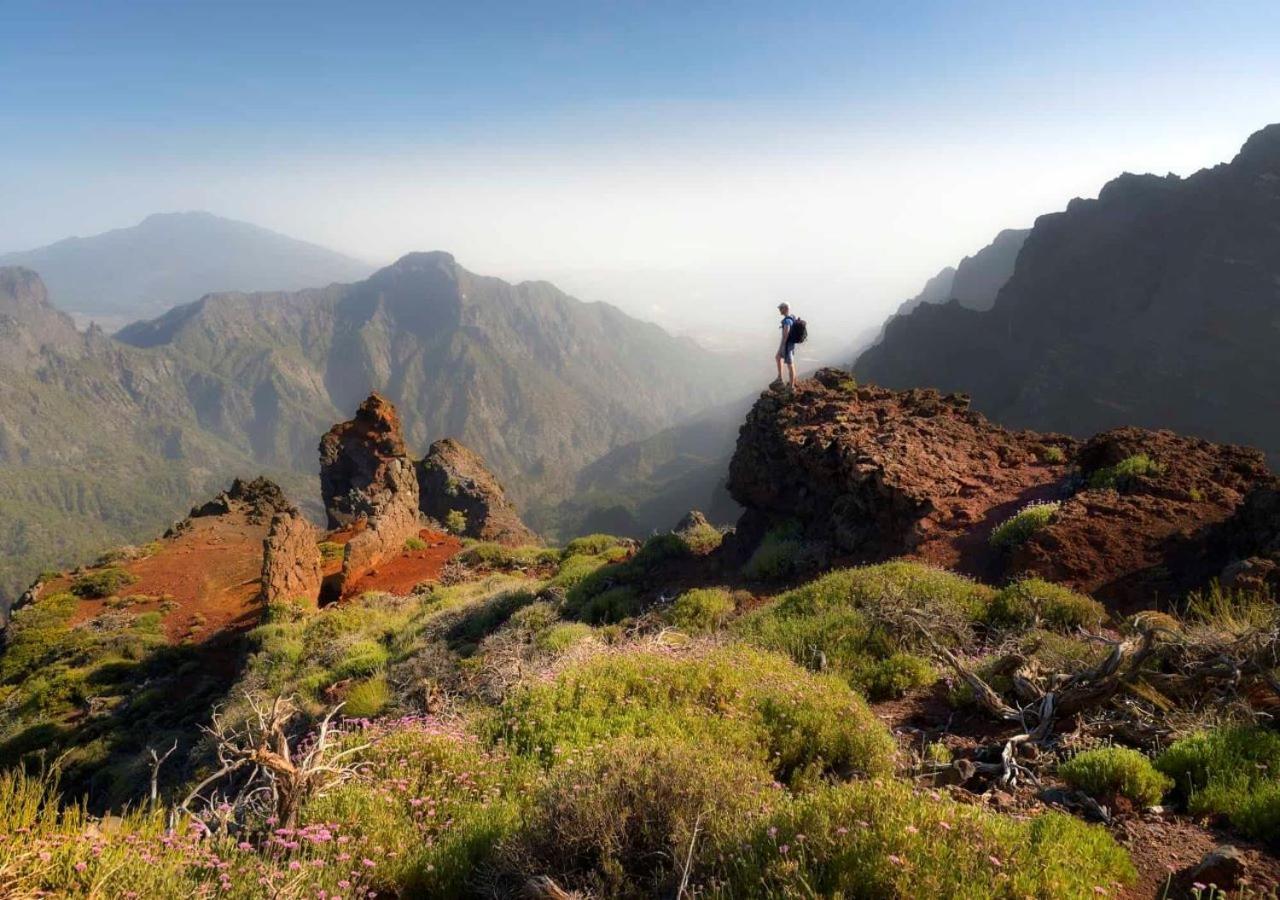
(673, 157)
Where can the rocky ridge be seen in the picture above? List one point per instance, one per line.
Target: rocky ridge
(876, 474)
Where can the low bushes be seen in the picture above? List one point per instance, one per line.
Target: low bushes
(1034, 601)
(781, 553)
(102, 582)
(1116, 771)
(1021, 525)
(859, 622)
(702, 609)
(366, 699)
(500, 556)
(742, 701)
(620, 820)
(880, 839)
(1123, 473)
(592, 545)
(1233, 772)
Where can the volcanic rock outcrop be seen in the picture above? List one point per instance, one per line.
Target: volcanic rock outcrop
(877, 473)
(369, 486)
(291, 563)
(453, 479)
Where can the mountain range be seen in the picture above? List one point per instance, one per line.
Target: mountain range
(1156, 304)
(138, 272)
(104, 439)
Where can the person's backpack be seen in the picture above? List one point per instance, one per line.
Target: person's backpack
(799, 331)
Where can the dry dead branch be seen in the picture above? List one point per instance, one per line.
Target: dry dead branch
(286, 775)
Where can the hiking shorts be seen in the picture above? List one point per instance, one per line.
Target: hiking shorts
(788, 352)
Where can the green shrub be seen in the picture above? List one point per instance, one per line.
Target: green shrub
(880, 839)
(592, 545)
(559, 638)
(1053, 455)
(500, 556)
(1021, 525)
(455, 522)
(414, 543)
(859, 622)
(575, 569)
(486, 617)
(1036, 601)
(608, 606)
(1233, 772)
(1116, 771)
(102, 582)
(702, 539)
(38, 634)
(621, 819)
(1122, 474)
(659, 549)
(367, 698)
(738, 700)
(781, 553)
(702, 609)
(452, 805)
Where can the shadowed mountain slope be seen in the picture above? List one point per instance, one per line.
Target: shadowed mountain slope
(1157, 304)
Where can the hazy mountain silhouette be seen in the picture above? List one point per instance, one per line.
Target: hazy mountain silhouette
(131, 273)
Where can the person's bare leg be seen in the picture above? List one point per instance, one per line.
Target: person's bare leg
(791, 371)
(778, 358)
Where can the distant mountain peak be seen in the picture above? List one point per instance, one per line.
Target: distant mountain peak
(171, 258)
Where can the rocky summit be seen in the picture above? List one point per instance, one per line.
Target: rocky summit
(874, 474)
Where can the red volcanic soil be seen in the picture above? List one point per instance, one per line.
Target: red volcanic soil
(210, 571)
(402, 573)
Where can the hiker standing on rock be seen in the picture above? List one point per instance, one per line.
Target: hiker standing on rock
(793, 332)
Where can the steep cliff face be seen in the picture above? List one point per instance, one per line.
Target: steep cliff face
(1157, 304)
(875, 474)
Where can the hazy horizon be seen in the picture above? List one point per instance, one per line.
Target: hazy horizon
(688, 165)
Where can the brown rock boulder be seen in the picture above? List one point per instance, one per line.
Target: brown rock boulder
(454, 479)
(360, 461)
(291, 563)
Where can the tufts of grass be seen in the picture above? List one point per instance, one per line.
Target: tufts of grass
(859, 622)
(1233, 772)
(1122, 474)
(1021, 525)
(1034, 601)
(102, 582)
(702, 609)
(757, 705)
(367, 698)
(1116, 771)
(880, 839)
(1053, 455)
(414, 543)
(611, 605)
